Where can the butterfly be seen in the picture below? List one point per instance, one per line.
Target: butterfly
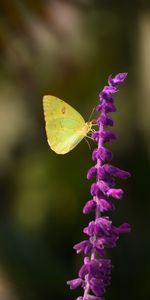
(65, 127)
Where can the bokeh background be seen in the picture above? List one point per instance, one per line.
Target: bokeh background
(68, 49)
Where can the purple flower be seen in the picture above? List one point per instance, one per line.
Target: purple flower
(106, 107)
(113, 171)
(84, 246)
(74, 283)
(115, 193)
(104, 205)
(91, 172)
(89, 207)
(94, 274)
(107, 135)
(102, 153)
(118, 79)
(105, 120)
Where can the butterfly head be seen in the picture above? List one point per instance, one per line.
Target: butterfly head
(88, 126)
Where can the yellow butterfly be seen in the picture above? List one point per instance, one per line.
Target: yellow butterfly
(65, 127)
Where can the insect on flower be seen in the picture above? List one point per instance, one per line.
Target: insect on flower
(65, 127)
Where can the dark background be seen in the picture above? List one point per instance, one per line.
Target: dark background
(68, 49)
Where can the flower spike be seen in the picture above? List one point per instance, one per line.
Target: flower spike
(94, 275)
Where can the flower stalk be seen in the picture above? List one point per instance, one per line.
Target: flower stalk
(94, 275)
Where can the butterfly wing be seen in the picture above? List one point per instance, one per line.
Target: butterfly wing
(63, 125)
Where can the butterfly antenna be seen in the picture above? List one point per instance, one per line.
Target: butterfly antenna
(88, 143)
(91, 114)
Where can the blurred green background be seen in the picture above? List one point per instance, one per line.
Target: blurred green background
(68, 49)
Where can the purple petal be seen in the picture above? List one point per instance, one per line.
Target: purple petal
(106, 107)
(79, 298)
(94, 154)
(105, 154)
(110, 242)
(99, 247)
(83, 271)
(74, 283)
(115, 193)
(84, 246)
(107, 135)
(105, 95)
(124, 228)
(95, 136)
(92, 297)
(101, 173)
(90, 229)
(113, 171)
(103, 226)
(105, 120)
(89, 207)
(102, 153)
(96, 287)
(110, 89)
(105, 205)
(94, 269)
(94, 189)
(99, 107)
(118, 79)
(91, 172)
(103, 186)
(100, 269)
